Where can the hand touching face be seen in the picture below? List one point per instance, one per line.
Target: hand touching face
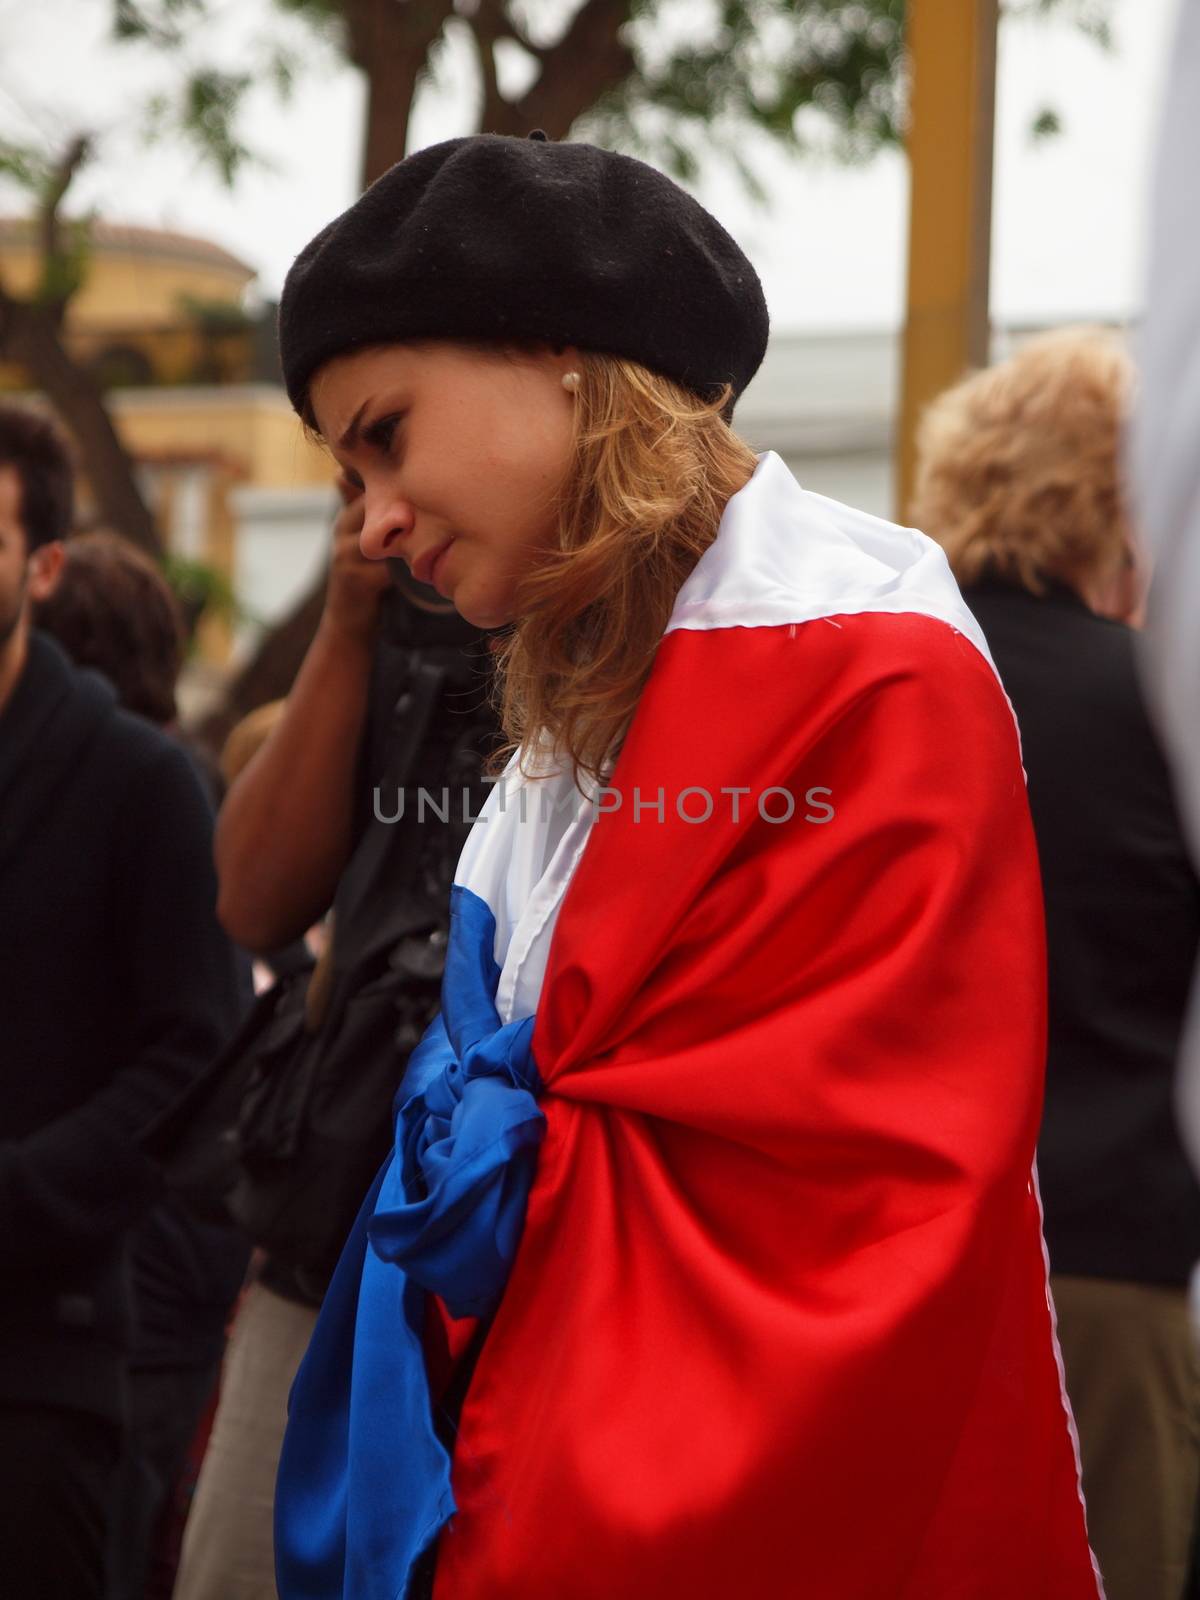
(356, 585)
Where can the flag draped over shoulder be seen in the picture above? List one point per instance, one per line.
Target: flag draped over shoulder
(777, 1320)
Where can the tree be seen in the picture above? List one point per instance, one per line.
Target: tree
(31, 334)
(678, 82)
(656, 77)
(198, 106)
(669, 80)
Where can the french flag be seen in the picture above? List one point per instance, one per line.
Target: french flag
(723, 1142)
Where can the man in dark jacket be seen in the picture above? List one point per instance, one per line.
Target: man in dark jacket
(1020, 482)
(116, 987)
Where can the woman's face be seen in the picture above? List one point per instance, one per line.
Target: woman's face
(460, 455)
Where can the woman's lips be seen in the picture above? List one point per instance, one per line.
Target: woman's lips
(422, 566)
(435, 568)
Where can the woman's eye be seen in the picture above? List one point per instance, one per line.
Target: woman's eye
(382, 433)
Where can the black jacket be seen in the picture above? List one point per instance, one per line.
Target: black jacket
(116, 986)
(1123, 924)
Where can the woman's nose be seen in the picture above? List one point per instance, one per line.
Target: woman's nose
(385, 523)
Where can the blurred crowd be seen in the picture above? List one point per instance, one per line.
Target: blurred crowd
(183, 1143)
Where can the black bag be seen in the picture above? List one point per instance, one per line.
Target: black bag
(194, 1139)
(316, 1117)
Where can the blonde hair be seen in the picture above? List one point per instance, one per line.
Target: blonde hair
(653, 468)
(1018, 470)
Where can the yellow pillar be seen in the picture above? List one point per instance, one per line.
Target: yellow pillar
(952, 55)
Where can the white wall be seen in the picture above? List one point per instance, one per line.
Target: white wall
(283, 541)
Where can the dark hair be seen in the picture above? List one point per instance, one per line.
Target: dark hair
(38, 450)
(113, 610)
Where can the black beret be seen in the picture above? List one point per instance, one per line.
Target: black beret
(494, 238)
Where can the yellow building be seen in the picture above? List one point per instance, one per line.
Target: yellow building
(193, 389)
(154, 307)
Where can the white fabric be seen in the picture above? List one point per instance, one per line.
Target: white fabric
(519, 859)
(1166, 460)
(782, 556)
(785, 555)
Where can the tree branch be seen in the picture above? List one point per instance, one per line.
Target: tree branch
(510, 28)
(61, 176)
(378, 29)
(390, 43)
(589, 59)
(488, 25)
(31, 336)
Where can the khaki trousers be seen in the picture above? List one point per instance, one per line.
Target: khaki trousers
(1134, 1383)
(228, 1549)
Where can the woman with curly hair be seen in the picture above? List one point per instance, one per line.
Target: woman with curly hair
(708, 1258)
(1020, 479)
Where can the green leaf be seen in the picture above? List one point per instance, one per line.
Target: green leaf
(23, 164)
(128, 21)
(282, 69)
(324, 17)
(203, 589)
(211, 102)
(216, 318)
(64, 271)
(160, 22)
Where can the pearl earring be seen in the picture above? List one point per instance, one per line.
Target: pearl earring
(570, 382)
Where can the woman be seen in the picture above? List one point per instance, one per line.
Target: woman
(717, 1164)
(1020, 479)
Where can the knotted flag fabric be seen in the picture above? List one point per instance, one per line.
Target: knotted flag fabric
(775, 1318)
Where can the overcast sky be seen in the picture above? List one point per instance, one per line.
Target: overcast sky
(830, 245)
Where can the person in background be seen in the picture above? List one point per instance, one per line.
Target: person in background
(117, 987)
(300, 775)
(246, 738)
(228, 1551)
(113, 610)
(1019, 478)
(226, 1545)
